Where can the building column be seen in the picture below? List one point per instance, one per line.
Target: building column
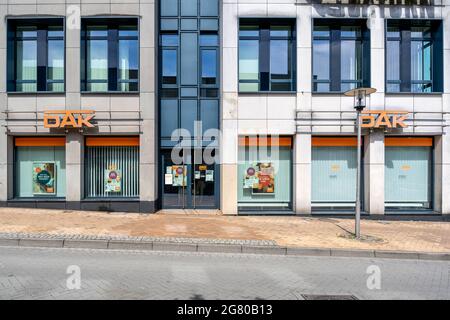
(374, 173)
(148, 169)
(302, 143)
(444, 166)
(229, 117)
(302, 174)
(229, 167)
(445, 139)
(74, 170)
(148, 149)
(6, 167)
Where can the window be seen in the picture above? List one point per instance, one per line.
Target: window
(112, 167)
(265, 173)
(40, 167)
(209, 66)
(408, 173)
(110, 55)
(414, 56)
(267, 55)
(169, 67)
(35, 55)
(333, 180)
(208, 59)
(341, 55)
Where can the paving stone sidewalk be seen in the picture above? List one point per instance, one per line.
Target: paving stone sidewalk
(283, 231)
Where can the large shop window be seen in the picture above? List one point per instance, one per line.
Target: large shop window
(408, 173)
(267, 55)
(334, 161)
(414, 56)
(265, 174)
(36, 55)
(40, 167)
(112, 167)
(341, 55)
(110, 55)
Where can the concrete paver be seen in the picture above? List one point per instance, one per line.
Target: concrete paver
(291, 231)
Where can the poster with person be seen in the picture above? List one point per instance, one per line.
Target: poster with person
(44, 178)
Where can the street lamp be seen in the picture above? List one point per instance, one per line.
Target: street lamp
(359, 95)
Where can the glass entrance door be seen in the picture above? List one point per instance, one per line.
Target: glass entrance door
(189, 185)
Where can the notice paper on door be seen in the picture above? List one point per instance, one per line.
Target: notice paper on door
(168, 179)
(209, 175)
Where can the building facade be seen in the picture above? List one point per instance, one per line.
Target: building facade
(236, 105)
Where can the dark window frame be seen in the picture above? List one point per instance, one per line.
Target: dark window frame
(113, 25)
(264, 39)
(42, 26)
(405, 40)
(335, 39)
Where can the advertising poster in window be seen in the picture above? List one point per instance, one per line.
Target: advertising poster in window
(179, 176)
(113, 180)
(44, 178)
(260, 178)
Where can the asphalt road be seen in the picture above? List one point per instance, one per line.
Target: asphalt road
(35, 273)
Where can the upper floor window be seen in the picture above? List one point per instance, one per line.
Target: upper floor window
(267, 55)
(36, 55)
(414, 56)
(341, 55)
(110, 55)
(172, 53)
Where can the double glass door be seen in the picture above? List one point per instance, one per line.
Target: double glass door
(190, 183)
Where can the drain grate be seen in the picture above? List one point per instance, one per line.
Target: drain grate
(328, 297)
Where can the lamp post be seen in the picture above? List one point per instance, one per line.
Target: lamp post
(359, 102)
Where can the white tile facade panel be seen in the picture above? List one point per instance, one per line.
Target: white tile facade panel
(403, 102)
(281, 107)
(252, 107)
(229, 105)
(230, 63)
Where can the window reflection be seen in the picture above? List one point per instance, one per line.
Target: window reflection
(421, 66)
(209, 66)
(351, 71)
(169, 67)
(279, 65)
(248, 65)
(26, 61)
(55, 65)
(97, 65)
(321, 65)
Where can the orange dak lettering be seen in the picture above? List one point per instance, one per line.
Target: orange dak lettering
(68, 118)
(384, 118)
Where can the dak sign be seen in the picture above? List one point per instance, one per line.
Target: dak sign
(384, 118)
(68, 118)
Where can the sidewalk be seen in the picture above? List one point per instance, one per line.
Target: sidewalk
(299, 232)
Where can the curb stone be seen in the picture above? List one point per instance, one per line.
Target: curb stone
(48, 243)
(264, 250)
(87, 244)
(230, 248)
(129, 245)
(308, 252)
(160, 245)
(352, 253)
(168, 246)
